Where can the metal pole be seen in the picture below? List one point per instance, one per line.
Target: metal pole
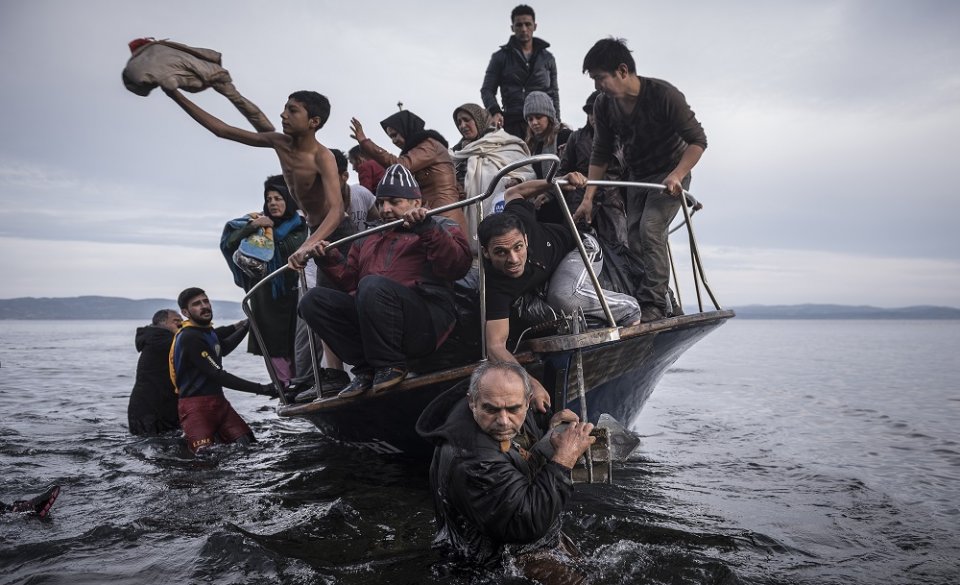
(311, 341)
(562, 203)
(248, 311)
(582, 393)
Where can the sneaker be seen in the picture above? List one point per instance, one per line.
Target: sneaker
(308, 395)
(331, 381)
(388, 377)
(360, 384)
(649, 313)
(39, 505)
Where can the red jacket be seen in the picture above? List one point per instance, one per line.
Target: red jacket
(434, 252)
(370, 172)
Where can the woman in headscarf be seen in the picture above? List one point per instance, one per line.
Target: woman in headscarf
(423, 152)
(545, 135)
(479, 156)
(274, 306)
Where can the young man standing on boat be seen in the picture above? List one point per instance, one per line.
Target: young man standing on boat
(522, 256)
(396, 289)
(662, 141)
(196, 368)
(519, 67)
(499, 486)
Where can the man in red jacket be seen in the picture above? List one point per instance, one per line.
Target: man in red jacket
(396, 289)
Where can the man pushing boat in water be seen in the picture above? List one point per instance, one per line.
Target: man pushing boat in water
(308, 166)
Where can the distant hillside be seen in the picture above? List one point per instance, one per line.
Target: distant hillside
(92, 307)
(844, 312)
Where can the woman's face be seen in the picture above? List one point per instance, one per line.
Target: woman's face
(538, 124)
(395, 137)
(276, 206)
(467, 126)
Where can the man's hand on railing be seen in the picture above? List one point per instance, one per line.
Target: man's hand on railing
(298, 260)
(672, 185)
(414, 216)
(574, 181)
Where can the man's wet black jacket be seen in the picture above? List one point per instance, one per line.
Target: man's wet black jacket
(487, 499)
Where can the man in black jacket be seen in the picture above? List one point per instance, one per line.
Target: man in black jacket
(498, 488)
(522, 65)
(196, 368)
(153, 402)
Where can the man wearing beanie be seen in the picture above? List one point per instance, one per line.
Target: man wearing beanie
(522, 65)
(396, 289)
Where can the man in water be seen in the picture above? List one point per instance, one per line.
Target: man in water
(499, 486)
(662, 140)
(522, 255)
(196, 368)
(152, 409)
(308, 166)
(519, 67)
(38, 505)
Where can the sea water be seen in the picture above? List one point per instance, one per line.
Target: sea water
(773, 452)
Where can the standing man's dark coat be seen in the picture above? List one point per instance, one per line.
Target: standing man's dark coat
(515, 76)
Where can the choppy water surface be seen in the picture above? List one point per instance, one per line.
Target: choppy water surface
(774, 452)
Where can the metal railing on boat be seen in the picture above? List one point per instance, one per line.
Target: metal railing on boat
(688, 203)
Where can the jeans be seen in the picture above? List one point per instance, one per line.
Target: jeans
(649, 213)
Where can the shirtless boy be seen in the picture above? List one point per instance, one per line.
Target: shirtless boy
(308, 166)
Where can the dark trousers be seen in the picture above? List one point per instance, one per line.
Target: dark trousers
(382, 326)
(649, 213)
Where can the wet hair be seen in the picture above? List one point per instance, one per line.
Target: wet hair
(341, 160)
(315, 104)
(188, 294)
(160, 316)
(607, 54)
(486, 367)
(497, 225)
(522, 10)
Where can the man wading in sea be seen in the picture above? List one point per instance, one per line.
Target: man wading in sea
(196, 368)
(498, 485)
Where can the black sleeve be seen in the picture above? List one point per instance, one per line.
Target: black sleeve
(230, 337)
(196, 351)
(505, 504)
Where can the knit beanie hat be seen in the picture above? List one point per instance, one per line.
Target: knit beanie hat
(398, 181)
(479, 114)
(539, 103)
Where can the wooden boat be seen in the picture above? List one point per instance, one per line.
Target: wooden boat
(612, 370)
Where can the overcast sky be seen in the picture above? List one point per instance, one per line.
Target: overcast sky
(831, 174)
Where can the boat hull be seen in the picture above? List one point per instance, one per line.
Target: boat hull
(619, 376)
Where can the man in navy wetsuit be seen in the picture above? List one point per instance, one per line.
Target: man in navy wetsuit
(196, 369)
